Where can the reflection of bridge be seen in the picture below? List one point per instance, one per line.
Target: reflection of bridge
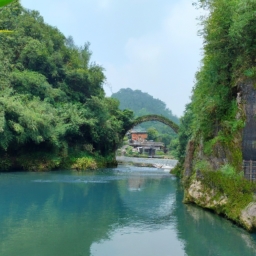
(147, 118)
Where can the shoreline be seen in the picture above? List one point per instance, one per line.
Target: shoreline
(144, 162)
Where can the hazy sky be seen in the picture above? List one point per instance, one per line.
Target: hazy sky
(150, 45)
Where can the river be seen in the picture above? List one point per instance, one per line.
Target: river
(127, 211)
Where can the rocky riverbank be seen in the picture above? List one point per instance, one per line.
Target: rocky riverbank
(241, 210)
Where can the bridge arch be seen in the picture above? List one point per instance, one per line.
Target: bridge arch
(158, 118)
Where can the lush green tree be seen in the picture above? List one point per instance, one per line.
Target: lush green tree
(5, 2)
(152, 133)
(184, 135)
(52, 102)
(166, 139)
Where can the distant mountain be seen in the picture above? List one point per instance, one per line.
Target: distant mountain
(141, 103)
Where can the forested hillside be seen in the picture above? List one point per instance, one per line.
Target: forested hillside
(213, 124)
(53, 110)
(142, 103)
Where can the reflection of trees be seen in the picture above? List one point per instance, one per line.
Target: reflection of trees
(205, 233)
(57, 219)
(136, 183)
(67, 216)
(147, 198)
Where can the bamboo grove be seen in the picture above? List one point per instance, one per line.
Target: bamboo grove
(52, 104)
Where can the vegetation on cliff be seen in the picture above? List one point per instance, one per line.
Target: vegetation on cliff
(53, 109)
(215, 117)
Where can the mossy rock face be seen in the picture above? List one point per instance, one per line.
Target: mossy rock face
(203, 196)
(248, 217)
(213, 180)
(225, 194)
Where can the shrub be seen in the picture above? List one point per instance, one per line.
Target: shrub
(84, 163)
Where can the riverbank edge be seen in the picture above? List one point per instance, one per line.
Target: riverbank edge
(232, 199)
(135, 164)
(132, 161)
(47, 162)
(212, 199)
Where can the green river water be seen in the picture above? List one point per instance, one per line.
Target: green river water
(127, 211)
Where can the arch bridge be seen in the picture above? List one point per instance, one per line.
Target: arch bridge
(147, 118)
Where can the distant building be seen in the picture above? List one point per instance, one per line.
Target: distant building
(138, 140)
(138, 135)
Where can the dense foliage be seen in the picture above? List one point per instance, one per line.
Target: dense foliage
(228, 30)
(142, 103)
(214, 119)
(52, 104)
(184, 134)
(5, 2)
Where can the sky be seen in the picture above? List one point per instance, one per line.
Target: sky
(147, 45)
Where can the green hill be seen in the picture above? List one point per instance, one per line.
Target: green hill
(141, 103)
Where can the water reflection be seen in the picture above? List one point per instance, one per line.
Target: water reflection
(124, 211)
(204, 233)
(55, 218)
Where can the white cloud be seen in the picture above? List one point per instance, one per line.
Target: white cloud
(162, 63)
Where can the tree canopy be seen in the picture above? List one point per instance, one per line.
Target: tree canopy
(5, 2)
(51, 94)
